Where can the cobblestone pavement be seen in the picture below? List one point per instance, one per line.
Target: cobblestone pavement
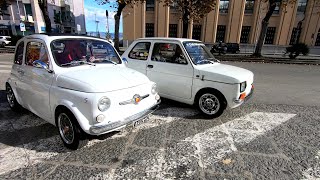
(254, 141)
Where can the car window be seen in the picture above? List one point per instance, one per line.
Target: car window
(75, 52)
(19, 54)
(140, 51)
(168, 52)
(36, 51)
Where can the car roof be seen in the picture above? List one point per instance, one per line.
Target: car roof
(168, 39)
(50, 37)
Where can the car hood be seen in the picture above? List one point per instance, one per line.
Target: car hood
(101, 79)
(224, 73)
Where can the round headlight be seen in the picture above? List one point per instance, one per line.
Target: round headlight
(104, 104)
(154, 89)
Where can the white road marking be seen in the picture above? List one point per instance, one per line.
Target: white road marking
(216, 142)
(5, 66)
(5, 71)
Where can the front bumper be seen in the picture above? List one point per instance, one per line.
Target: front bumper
(97, 130)
(249, 96)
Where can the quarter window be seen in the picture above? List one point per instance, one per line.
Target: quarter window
(19, 54)
(140, 51)
(36, 51)
(169, 53)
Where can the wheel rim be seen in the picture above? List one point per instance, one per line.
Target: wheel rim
(65, 128)
(10, 96)
(209, 104)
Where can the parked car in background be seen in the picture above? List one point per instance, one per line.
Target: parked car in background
(186, 71)
(224, 48)
(4, 41)
(78, 87)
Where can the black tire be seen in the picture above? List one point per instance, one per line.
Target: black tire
(211, 98)
(76, 138)
(11, 98)
(3, 44)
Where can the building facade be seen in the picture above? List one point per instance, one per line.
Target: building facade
(65, 15)
(234, 21)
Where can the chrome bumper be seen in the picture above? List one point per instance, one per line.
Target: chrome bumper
(97, 130)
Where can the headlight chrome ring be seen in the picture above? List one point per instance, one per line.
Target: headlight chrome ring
(104, 104)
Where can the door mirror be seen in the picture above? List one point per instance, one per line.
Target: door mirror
(41, 64)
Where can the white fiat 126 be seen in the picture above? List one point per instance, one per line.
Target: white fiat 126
(79, 84)
(186, 71)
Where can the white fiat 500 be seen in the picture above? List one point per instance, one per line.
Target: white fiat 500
(186, 71)
(78, 84)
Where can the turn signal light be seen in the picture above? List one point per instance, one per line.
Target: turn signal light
(242, 96)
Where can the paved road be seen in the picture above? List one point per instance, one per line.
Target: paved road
(275, 136)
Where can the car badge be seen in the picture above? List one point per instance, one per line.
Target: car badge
(136, 98)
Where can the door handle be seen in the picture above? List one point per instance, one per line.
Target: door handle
(150, 66)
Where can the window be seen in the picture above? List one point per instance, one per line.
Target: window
(150, 5)
(302, 4)
(196, 32)
(19, 54)
(169, 53)
(221, 29)
(173, 30)
(293, 36)
(149, 30)
(277, 9)
(224, 6)
(28, 9)
(140, 51)
(249, 7)
(174, 6)
(270, 35)
(36, 51)
(245, 32)
(318, 39)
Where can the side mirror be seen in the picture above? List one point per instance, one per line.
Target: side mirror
(41, 64)
(125, 60)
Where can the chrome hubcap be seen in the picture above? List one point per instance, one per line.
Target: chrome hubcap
(65, 128)
(10, 96)
(209, 104)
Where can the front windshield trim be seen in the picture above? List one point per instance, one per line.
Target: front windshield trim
(119, 61)
(214, 60)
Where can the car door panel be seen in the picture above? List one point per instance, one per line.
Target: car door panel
(37, 83)
(138, 56)
(172, 79)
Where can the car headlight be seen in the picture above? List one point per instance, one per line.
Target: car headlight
(104, 104)
(243, 86)
(154, 89)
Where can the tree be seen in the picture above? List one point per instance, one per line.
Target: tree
(272, 4)
(191, 10)
(120, 5)
(43, 4)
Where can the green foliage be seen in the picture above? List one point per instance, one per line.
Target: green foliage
(297, 49)
(196, 9)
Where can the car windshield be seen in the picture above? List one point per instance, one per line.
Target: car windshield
(75, 52)
(199, 53)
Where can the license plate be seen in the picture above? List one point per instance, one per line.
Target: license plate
(139, 122)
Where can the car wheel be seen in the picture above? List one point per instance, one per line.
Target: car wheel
(211, 104)
(70, 132)
(11, 98)
(3, 44)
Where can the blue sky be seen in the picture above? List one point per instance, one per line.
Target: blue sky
(92, 8)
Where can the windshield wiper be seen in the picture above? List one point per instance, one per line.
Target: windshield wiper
(205, 60)
(78, 63)
(110, 61)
